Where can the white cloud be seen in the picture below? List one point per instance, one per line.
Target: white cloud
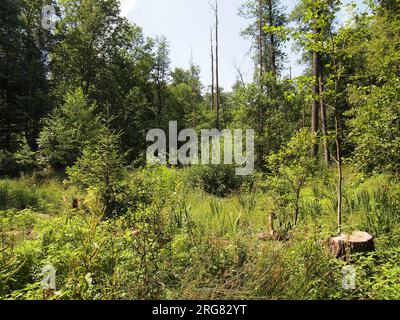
(127, 6)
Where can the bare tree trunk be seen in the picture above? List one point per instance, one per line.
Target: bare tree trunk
(212, 72)
(240, 75)
(217, 62)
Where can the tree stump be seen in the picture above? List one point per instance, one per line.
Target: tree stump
(358, 241)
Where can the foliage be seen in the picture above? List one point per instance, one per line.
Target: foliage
(218, 180)
(80, 99)
(69, 129)
(292, 165)
(375, 129)
(101, 167)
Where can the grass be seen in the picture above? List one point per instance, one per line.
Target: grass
(184, 243)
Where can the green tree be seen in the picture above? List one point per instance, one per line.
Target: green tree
(374, 96)
(67, 131)
(24, 84)
(267, 18)
(293, 164)
(315, 23)
(101, 167)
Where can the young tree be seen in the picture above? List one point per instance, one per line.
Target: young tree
(101, 167)
(67, 131)
(293, 164)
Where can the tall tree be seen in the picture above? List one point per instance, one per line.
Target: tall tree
(214, 7)
(315, 19)
(212, 71)
(24, 84)
(161, 74)
(267, 21)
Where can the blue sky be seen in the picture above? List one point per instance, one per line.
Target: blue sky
(186, 25)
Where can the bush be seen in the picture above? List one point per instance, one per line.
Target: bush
(67, 131)
(17, 195)
(102, 167)
(218, 180)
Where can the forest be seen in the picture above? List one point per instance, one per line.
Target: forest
(85, 216)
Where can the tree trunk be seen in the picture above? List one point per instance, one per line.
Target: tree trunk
(212, 72)
(315, 105)
(339, 166)
(217, 62)
(324, 121)
(296, 206)
(272, 51)
(261, 38)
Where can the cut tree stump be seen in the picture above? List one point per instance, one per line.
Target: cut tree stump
(358, 241)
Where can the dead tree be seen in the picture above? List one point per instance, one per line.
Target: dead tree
(212, 71)
(214, 8)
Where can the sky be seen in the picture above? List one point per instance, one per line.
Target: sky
(186, 25)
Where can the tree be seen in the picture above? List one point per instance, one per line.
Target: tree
(315, 19)
(282, 105)
(212, 72)
(267, 30)
(374, 97)
(293, 164)
(186, 103)
(214, 8)
(268, 22)
(109, 58)
(24, 86)
(89, 32)
(101, 167)
(160, 74)
(67, 131)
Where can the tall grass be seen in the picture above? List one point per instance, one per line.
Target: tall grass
(380, 210)
(24, 193)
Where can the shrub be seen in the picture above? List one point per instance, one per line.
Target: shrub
(15, 194)
(67, 131)
(218, 180)
(101, 166)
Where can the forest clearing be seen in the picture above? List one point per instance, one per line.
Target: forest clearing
(304, 205)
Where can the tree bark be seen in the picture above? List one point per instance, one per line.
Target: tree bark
(324, 121)
(261, 38)
(315, 105)
(217, 63)
(272, 51)
(339, 167)
(212, 72)
(357, 242)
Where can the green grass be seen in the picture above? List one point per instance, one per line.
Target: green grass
(187, 244)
